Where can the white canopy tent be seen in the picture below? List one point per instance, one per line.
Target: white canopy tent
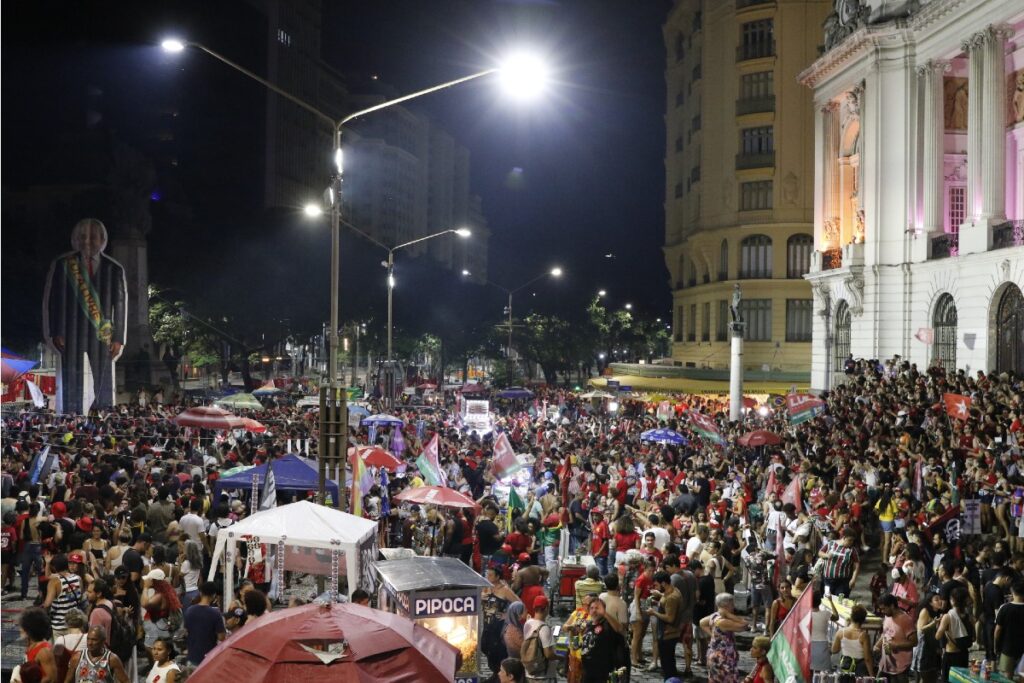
(303, 524)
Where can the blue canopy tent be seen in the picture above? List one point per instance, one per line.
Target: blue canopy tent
(664, 436)
(515, 393)
(291, 473)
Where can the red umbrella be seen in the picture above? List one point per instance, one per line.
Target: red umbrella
(760, 437)
(212, 417)
(436, 495)
(336, 642)
(375, 456)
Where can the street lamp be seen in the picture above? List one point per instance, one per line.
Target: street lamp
(555, 272)
(601, 293)
(333, 426)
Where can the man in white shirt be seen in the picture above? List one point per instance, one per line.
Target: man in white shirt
(695, 546)
(192, 523)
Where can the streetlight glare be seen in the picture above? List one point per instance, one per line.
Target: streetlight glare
(172, 45)
(313, 210)
(463, 232)
(339, 159)
(602, 293)
(391, 281)
(556, 272)
(629, 307)
(523, 75)
(465, 273)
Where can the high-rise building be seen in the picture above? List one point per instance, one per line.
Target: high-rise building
(919, 167)
(739, 168)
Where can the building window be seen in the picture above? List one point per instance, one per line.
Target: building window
(680, 99)
(798, 319)
(679, 190)
(1009, 337)
(758, 140)
(679, 143)
(757, 40)
(695, 174)
(723, 261)
(680, 47)
(757, 314)
(798, 255)
(756, 196)
(705, 330)
(757, 85)
(284, 38)
(756, 257)
(691, 324)
(722, 324)
(698, 21)
(695, 123)
(956, 211)
(696, 74)
(691, 273)
(842, 337)
(679, 324)
(944, 329)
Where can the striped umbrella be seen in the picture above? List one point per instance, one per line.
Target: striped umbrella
(211, 417)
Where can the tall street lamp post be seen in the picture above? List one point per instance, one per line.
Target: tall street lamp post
(554, 272)
(520, 72)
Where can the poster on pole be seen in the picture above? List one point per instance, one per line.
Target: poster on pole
(971, 522)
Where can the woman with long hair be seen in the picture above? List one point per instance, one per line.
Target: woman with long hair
(886, 509)
(855, 645)
(927, 659)
(955, 627)
(780, 606)
(162, 604)
(190, 572)
(512, 634)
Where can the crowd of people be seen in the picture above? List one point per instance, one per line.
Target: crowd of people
(691, 544)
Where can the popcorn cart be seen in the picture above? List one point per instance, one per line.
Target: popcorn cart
(443, 595)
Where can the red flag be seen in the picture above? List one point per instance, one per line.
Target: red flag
(790, 652)
(504, 461)
(948, 523)
(772, 484)
(792, 494)
(957, 405)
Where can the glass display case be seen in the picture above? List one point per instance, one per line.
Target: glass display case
(441, 594)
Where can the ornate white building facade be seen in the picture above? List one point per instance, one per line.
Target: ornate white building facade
(919, 185)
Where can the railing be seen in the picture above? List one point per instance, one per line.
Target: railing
(1009, 234)
(740, 4)
(832, 259)
(945, 245)
(761, 160)
(755, 105)
(755, 51)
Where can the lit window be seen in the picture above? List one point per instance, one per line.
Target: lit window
(284, 38)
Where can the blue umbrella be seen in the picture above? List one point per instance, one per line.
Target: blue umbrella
(358, 411)
(664, 436)
(515, 393)
(382, 420)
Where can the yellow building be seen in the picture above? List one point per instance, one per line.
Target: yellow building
(739, 167)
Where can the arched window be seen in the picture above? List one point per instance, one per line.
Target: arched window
(798, 255)
(841, 341)
(691, 274)
(944, 327)
(756, 257)
(681, 282)
(1010, 331)
(723, 261)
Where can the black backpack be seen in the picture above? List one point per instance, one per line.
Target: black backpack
(123, 636)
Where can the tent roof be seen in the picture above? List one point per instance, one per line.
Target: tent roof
(429, 573)
(304, 524)
(291, 473)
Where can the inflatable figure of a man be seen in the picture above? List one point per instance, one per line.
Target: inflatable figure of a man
(84, 319)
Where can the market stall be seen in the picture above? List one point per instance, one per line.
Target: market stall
(306, 537)
(442, 594)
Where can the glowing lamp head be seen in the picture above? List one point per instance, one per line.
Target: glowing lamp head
(556, 272)
(172, 45)
(523, 75)
(602, 293)
(465, 273)
(629, 307)
(613, 406)
(463, 232)
(313, 210)
(763, 411)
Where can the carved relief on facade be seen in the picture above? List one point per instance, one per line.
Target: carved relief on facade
(1016, 96)
(954, 103)
(854, 285)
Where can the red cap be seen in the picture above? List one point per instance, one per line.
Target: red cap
(541, 602)
(85, 524)
(58, 509)
(76, 556)
(524, 557)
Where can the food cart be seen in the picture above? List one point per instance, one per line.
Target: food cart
(443, 595)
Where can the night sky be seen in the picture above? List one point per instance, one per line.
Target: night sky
(564, 180)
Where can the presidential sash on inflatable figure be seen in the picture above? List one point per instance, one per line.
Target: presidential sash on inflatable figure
(84, 319)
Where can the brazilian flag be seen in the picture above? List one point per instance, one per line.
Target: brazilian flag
(514, 503)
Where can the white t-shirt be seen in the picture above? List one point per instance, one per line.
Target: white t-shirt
(694, 547)
(73, 642)
(193, 525)
(661, 537)
(546, 640)
(190, 576)
(158, 674)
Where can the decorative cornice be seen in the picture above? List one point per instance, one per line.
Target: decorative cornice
(934, 66)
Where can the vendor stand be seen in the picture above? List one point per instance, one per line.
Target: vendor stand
(441, 594)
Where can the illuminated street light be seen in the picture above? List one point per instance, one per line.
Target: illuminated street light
(313, 210)
(172, 45)
(523, 75)
(602, 293)
(556, 272)
(465, 273)
(463, 232)
(629, 307)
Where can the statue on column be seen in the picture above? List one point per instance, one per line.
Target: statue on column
(85, 319)
(737, 297)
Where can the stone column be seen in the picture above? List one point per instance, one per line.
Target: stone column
(736, 371)
(830, 166)
(973, 48)
(993, 124)
(934, 145)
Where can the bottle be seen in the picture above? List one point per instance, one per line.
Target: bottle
(984, 670)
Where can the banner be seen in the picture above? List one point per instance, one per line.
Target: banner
(790, 651)
(268, 497)
(970, 522)
(803, 407)
(38, 400)
(664, 411)
(429, 464)
(361, 483)
(41, 463)
(504, 461)
(793, 493)
(706, 427)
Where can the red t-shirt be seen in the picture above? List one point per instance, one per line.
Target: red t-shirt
(624, 542)
(643, 585)
(519, 542)
(529, 595)
(598, 537)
